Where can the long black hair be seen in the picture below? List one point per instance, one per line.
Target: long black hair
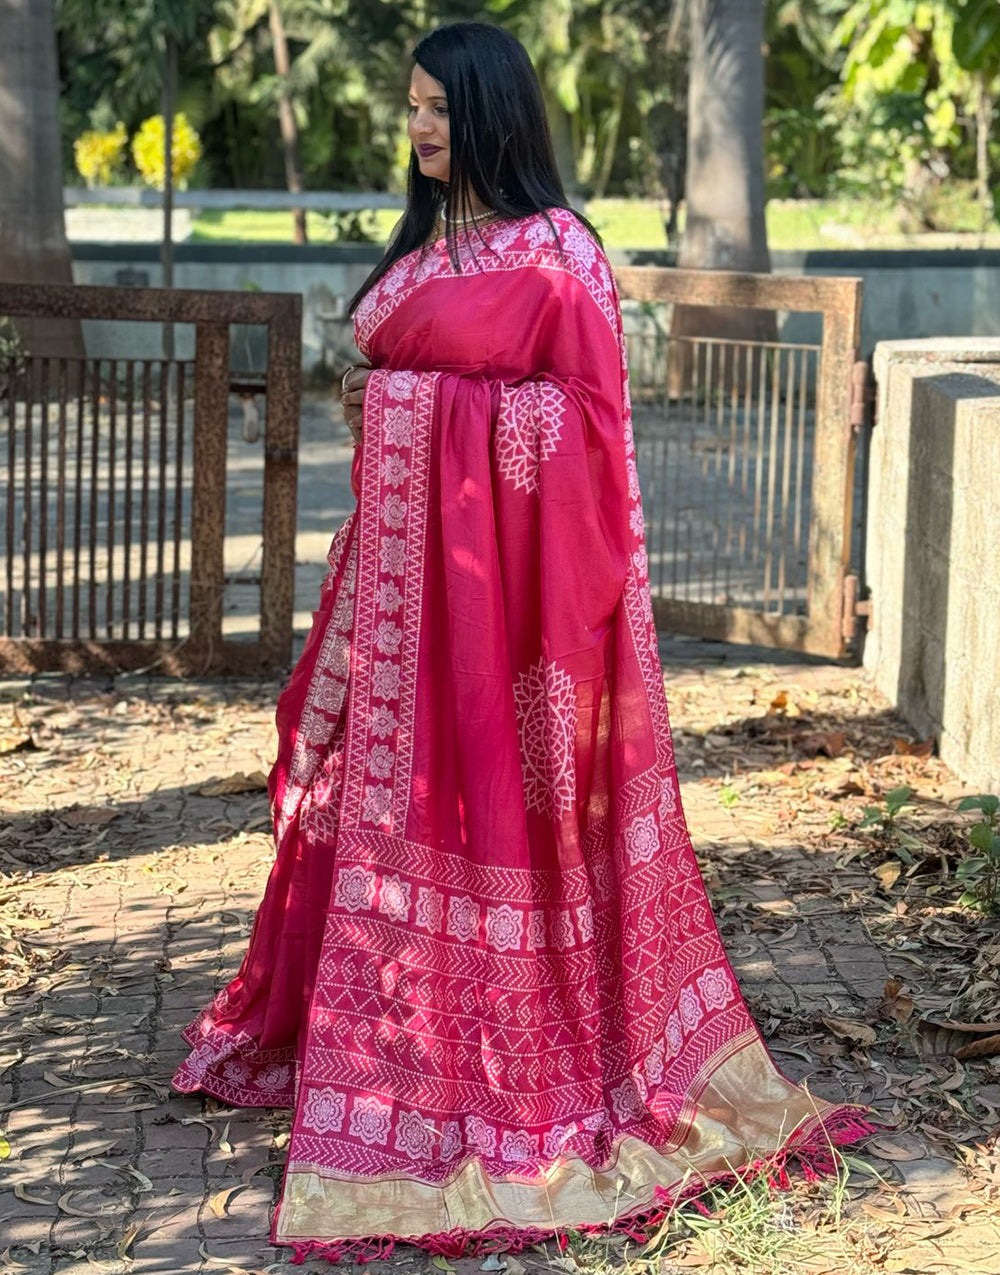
(501, 146)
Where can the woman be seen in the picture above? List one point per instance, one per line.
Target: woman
(485, 973)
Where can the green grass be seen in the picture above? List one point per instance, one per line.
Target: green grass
(639, 223)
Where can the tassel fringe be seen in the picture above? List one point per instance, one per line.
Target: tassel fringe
(813, 1151)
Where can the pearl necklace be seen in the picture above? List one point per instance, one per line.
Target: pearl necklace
(443, 224)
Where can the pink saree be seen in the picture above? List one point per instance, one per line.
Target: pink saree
(485, 973)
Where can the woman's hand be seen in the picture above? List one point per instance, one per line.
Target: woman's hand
(352, 397)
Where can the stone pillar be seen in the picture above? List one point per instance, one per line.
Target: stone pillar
(933, 546)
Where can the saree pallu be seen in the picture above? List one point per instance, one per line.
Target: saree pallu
(485, 972)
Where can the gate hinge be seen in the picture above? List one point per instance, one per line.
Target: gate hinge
(862, 395)
(853, 607)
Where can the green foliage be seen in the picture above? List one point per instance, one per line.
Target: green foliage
(880, 97)
(979, 869)
(11, 352)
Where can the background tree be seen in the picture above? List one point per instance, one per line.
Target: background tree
(33, 246)
(724, 193)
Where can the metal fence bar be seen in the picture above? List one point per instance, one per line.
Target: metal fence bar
(109, 598)
(208, 494)
(281, 441)
(127, 510)
(27, 617)
(11, 460)
(175, 595)
(161, 499)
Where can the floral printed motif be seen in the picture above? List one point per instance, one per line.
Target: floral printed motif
(394, 898)
(716, 988)
(635, 520)
(414, 1135)
(392, 552)
(556, 1139)
(545, 701)
(236, 1071)
(518, 1145)
(385, 679)
(324, 1110)
(585, 921)
(675, 1035)
(633, 478)
(627, 1101)
(463, 918)
(400, 385)
(562, 935)
(370, 1121)
(393, 510)
(430, 909)
(536, 929)
(394, 469)
(380, 761)
(577, 242)
(668, 798)
(388, 636)
(527, 430)
(642, 839)
(355, 889)
(504, 926)
(654, 1064)
(480, 1137)
(377, 803)
(451, 1140)
(273, 1076)
(691, 1011)
(383, 721)
(603, 873)
(389, 597)
(398, 426)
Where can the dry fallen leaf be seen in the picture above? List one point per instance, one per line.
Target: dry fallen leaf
(983, 1048)
(255, 781)
(887, 1150)
(888, 873)
(219, 1202)
(896, 1004)
(848, 1029)
(87, 816)
(24, 1194)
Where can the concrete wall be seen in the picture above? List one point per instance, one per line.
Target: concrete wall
(907, 294)
(933, 560)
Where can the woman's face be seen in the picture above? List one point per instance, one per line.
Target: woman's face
(428, 125)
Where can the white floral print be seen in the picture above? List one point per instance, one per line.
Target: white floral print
(414, 1135)
(430, 909)
(642, 839)
(463, 918)
(370, 1121)
(355, 889)
(385, 679)
(394, 898)
(517, 1145)
(324, 1110)
(504, 926)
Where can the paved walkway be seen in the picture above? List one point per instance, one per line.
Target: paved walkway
(130, 865)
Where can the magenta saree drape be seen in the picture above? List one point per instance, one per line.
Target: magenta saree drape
(485, 972)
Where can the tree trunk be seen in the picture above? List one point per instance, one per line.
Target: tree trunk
(984, 118)
(33, 246)
(167, 247)
(724, 186)
(286, 117)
